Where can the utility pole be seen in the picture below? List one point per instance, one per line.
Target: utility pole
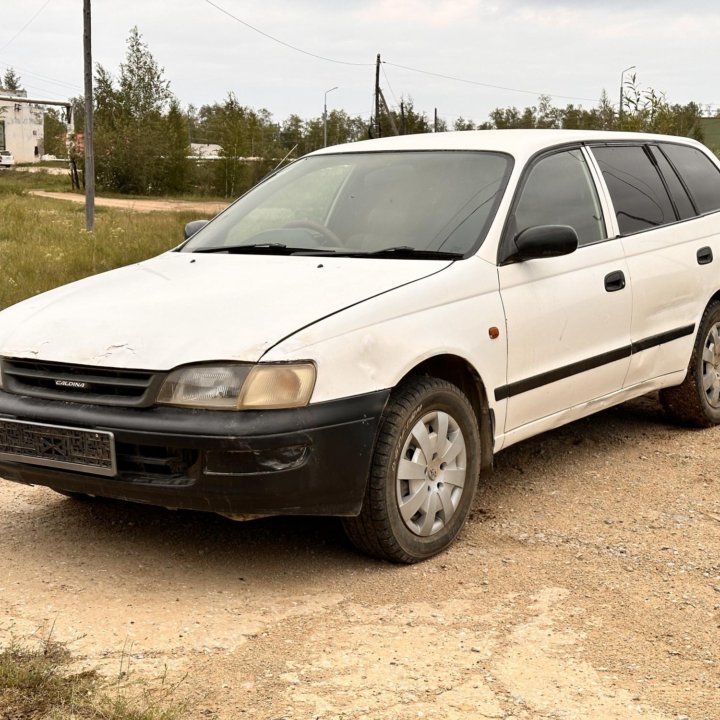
(393, 126)
(435, 124)
(377, 98)
(89, 154)
(325, 115)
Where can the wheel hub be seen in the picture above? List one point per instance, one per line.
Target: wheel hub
(711, 366)
(431, 473)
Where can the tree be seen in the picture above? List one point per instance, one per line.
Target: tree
(407, 120)
(649, 111)
(142, 89)
(462, 124)
(11, 81)
(249, 140)
(643, 111)
(141, 137)
(54, 133)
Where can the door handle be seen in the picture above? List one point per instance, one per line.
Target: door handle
(704, 256)
(615, 281)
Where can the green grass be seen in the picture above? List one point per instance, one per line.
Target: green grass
(35, 180)
(43, 242)
(24, 180)
(36, 684)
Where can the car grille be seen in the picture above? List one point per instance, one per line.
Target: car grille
(81, 383)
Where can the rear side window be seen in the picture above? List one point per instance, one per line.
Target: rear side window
(699, 173)
(636, 189)
(678, 193)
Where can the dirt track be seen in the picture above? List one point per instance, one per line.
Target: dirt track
(586, 585)
(138, 205)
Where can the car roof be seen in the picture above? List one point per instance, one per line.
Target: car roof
(519, 143)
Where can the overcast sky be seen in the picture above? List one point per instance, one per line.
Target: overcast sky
(568, 50)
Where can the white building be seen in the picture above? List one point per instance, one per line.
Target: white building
(21, 127)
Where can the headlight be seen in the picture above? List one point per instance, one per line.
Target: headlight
(239, 387)
(278, 386)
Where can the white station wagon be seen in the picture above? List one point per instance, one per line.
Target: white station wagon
(361, 332)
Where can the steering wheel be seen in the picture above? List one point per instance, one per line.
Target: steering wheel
(328, 237)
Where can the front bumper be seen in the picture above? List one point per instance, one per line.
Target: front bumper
(306, 461)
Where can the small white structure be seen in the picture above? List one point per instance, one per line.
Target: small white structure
(205, 151)
(21, 126)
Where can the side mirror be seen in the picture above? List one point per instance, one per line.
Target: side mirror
(544, 241)
(192, 227)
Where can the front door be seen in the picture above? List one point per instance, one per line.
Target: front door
(568, 318)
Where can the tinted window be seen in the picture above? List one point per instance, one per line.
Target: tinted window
(699, 173)
(367, 201)
(558, 190)
(679, 195)
(637, 192)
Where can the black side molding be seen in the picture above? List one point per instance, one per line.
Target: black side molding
(521, 386)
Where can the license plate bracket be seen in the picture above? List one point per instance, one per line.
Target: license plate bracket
(69, 448)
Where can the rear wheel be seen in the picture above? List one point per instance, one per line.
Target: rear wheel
(697, 401)
(424, 473)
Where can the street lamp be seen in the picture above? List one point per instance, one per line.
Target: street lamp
(325, 116)
(622, 81)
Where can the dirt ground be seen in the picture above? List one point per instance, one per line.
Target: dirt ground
(139, 205)
(586, 585)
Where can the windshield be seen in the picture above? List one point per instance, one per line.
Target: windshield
(428, 203)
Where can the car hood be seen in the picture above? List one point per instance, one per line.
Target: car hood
(181, 308)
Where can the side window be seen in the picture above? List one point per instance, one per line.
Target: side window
(636, 189)
(558, 190)
(699, 173)
(678, 193)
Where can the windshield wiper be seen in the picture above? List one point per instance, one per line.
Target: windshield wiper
(270, 248)
(407, 251)
(263, 248)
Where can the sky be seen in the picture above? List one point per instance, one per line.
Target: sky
(287, 55)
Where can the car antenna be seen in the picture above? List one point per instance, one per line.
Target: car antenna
(284, 159)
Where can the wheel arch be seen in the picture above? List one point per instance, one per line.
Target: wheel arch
(711, 300)
(458, 371)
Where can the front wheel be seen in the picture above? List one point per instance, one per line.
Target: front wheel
(697, 401)
(423, 476)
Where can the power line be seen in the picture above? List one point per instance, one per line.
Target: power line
(53, 81)
(482, 84)
(387, 80)
(385, 62)
(443, 76)
(282, 42)
(24, 27)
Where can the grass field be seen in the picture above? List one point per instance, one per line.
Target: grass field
(43, 243)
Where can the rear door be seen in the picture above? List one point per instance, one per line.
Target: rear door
(671, 253)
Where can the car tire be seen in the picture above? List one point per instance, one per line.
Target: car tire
(697, 401)
(423, 476)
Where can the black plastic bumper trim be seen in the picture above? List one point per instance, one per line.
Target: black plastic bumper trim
(336, 438)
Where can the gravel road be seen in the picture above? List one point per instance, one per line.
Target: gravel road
(585, 586)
